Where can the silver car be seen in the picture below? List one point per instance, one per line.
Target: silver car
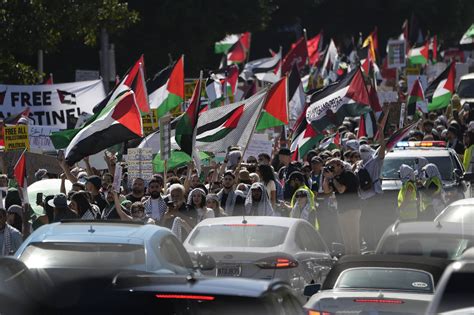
(377, 284)
(461, 211)
(263, 248)
(94, 245)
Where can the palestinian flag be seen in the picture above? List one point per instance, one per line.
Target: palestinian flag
(118, 122)
(229, 77)
(304, 137)
(168, 88)
(416, 95)
(314, 48)
(19, 171)
(16, 119)
(296, 94)
(275, 109)
(265, 69)
(468, 37)
(214, 91)
(237, 53)
(224, 45)
(187, 123)
(374, 100)
(331, 142)
(298, 55)
(329, 59)
(230, 125)
(245, 40)
(419, 55)
(439, 92)
(399, 135)
(331, 104)
(367, 125)
(135, 79)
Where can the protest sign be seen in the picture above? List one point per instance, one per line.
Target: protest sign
(51, 104)
(16, 138)
(117, 178)
(387, 96)
(39, 138)
(139, 164)
(259, 143)
(396, 54)
(150, 122)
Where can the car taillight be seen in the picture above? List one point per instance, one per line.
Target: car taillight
(186, 297)
(312, 312)
(277, 263)
(382, 301)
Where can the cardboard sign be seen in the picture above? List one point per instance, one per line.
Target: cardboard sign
(396, 54)
(139, 164)
(39, 138)
(259, 143)
(150, 122)
(16, 138)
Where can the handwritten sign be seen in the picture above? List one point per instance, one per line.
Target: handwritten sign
(259, 143)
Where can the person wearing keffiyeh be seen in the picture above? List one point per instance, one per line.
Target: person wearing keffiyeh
(10, 238)
(257, 202)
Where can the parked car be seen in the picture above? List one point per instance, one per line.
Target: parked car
(454, 294)
(436, 239)
(376, 284)
(461, 211)
(135, 292)
(263, 248)
(465, 89)
(95, 245)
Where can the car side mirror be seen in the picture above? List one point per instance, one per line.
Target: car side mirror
(205, 262)
(468, 176)
(337, 250)
(311, 289)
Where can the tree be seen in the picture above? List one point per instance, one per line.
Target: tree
(30, 25)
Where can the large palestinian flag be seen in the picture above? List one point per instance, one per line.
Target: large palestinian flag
(118, 122)
(230, 125)
(440, 91)
(167, 88)
(275, 109)
(304, 137)
(221, 47)
(330, 105)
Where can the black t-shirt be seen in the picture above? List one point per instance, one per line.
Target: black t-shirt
(132, 198)
(100, 201)
(350, 198)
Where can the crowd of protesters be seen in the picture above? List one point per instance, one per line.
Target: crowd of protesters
(335, 190)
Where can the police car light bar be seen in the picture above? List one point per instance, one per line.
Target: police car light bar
(421, 144)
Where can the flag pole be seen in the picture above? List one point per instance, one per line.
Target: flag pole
(250, 45)
(256, 121)
(306, 40)
(195, 152)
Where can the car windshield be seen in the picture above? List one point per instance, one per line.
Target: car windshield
(238, 235)
(84, 255)
(466, 88)
(441, 246)
(461, 214)
(386, 279)
(391, 166)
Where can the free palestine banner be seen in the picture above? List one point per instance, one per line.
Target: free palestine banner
(51, 104)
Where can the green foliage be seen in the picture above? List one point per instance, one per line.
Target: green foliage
(17, 72)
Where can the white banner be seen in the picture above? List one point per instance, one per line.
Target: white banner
(51, 104)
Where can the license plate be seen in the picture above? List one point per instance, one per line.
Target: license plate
(229, 271)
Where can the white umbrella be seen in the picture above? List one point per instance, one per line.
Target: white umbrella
(47, 187)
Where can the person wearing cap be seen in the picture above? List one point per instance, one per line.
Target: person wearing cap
(10, 238)
(93, 186)
(257, 202)
(61, 208)
(345, 185)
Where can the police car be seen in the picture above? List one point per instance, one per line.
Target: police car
(417, 154)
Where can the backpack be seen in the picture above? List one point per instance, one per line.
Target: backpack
(365, 182)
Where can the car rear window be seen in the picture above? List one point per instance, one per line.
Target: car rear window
(391, 166)
(238, 235)
(436, 245)
(84, 255)
(385, 278)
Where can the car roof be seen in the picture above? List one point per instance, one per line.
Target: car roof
(434, 266)
(418, 152)
(96, 232)
(468, 76)
(432, 227)
(260, 220)
(463, 202)
(200, 285)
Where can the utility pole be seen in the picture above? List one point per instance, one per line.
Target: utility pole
(104, 58)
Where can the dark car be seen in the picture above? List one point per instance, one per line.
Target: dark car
(377, 284)
(136, 292)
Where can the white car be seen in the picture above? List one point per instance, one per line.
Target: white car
(461, 211)
(376, 284)
(261, 247)
(465, 88)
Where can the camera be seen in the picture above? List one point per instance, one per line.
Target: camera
(329, 168)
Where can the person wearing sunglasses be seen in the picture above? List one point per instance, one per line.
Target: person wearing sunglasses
(304, 207)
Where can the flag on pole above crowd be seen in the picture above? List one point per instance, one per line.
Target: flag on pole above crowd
(329, 59)
(135, 79)
(223, 46)
(441, 90)
(315, 48)
(19, 171)
(468, 37)
(399, 135)
(304, 137)
(275, 108)
(119, 121)
(167, 88)
(230, 125)
(296, 94)
(419, 55)
(331, 104)
(265, 69)
(298, 55)
(416, 95)
(235, 47)
(186, 127)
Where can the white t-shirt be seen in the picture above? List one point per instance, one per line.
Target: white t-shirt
(270, 187)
